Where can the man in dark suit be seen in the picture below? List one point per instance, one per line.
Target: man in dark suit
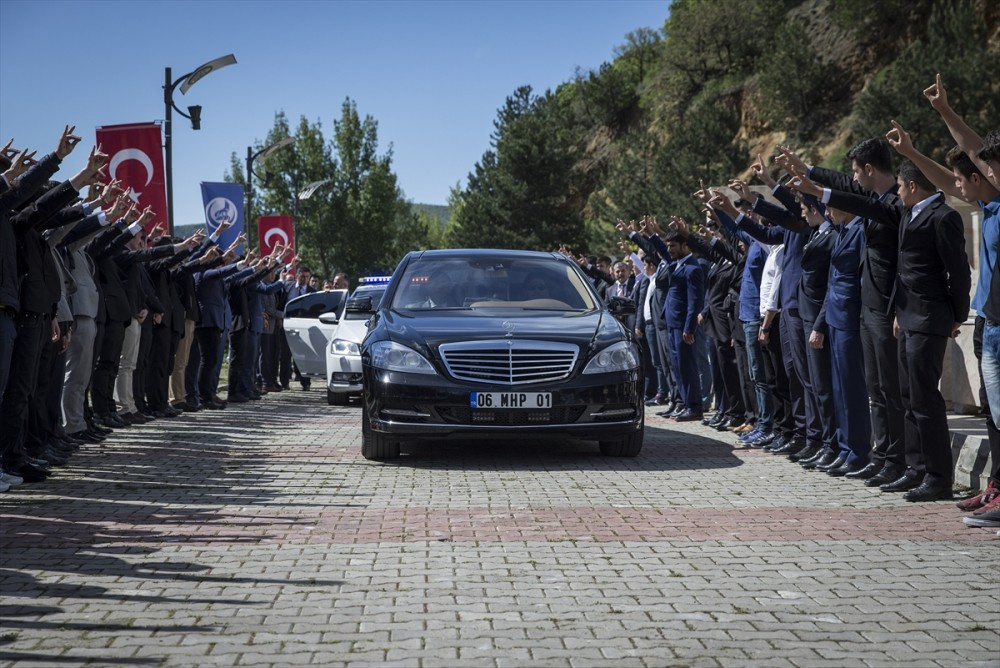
(286, 367)
(685, 300)
(931, 299)
(871, 164)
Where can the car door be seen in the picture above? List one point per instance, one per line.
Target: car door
(308, 338)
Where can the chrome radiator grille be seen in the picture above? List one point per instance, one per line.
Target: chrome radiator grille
(509, 361)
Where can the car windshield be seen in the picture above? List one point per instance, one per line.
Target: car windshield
(482, 282)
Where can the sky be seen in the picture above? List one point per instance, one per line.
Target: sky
(432, 74)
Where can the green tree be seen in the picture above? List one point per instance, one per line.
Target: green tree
(521, 194)
(358, 221)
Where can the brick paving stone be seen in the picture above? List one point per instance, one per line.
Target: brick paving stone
(259, 536)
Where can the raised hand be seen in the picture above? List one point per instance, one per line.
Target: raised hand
(760, 171)
(120, 208)
(936, 94)
(133, 213)
(680, 226)
(67, 142)
(899, 139)
(111, 192)
(742, 189)
(7, 151)
(702, 193)
(720, 201)
(791, 162)
(20, 164)
(804, 185)
(652, 227)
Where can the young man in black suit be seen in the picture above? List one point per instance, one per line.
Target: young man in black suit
(931, 299)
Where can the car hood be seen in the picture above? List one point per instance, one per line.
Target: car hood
(427, 331)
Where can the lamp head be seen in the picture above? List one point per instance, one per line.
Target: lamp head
(194, 112)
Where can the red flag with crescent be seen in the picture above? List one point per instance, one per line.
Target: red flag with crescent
(136, 159)
(273, 230)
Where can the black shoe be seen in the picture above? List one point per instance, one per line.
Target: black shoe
(889, 473)
(99, 435)
(54, 457)
(95, 425)
(213, 405)
(824, 456)
(237, 398)
(306, 384)
(729, 424)
(865, 473)
(191, 407)
(778, 443)
(28, 472)
(846, 469)
(835, 464)
(255, 396)
(42, 464)
(112, 421)
(805, 453)
(904, 483)
(930, 491)
(86, 437)
(220, 400)
(687, 415)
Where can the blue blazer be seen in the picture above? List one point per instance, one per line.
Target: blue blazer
(842, 306)
(211, 290)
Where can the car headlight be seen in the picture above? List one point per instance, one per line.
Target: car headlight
(620, 356)
(344, 347)
(394, 356)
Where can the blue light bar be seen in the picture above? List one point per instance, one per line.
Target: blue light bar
(373, 280)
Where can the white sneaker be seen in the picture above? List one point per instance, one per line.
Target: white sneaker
(10, 478)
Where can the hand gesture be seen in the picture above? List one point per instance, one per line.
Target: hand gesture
(899, 139)
(7, 151)
(760, 171)
(120, 208)
(804, 185)
(702, 193)
(224, 225)
(210, 255)
(147, 217)
(67, 142)
(623, 245)
(20, 165)
(680, 226)
(936, 94)
(720, 201)
(157, 231)
(132, 214)
(652, 226)
(622, 230)
(743, 190)
(791, 162)
(111, 192)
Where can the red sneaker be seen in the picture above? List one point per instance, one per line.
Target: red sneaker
(991, 506)
(979, 500)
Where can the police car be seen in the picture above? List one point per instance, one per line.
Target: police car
(343, 356)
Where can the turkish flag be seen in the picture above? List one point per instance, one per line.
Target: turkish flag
(136, 161)
(272, 230)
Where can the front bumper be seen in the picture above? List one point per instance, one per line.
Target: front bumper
(597, 407)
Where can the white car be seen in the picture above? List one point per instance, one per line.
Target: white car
(308, 336)
(343, 356)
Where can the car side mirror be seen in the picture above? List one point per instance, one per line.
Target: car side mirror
(621, 306)
(329, 318)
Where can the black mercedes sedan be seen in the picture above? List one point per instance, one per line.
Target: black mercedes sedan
(502, 344)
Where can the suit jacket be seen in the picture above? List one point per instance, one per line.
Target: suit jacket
(211, 290)
(931, 292)
(815, 276)
(878, 269)
(842, 305)
(723, 279)
(686, 291)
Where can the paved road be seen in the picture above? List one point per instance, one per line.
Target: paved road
(259, 536)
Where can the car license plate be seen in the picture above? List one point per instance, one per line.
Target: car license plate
(534, 400)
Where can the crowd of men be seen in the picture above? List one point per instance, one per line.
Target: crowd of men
(816, 321)
(106, 322)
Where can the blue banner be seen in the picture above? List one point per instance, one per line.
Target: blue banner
(223, 201)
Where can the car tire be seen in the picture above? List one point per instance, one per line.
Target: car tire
(625, 447)
(376, 446)
(336, 398)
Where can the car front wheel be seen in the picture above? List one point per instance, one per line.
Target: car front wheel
(336, 398)
(376, 446)
(624, 447)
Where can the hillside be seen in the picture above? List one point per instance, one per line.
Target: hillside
(719, 83)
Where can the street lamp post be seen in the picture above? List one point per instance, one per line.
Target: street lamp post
(304, 196)
(262, 155)
(193, 115)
